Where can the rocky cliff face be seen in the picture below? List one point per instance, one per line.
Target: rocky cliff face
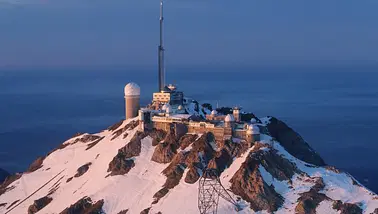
(123, 170)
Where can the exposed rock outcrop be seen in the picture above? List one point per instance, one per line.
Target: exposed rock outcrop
(346, 208)
(94, 143)
(279, 167)
(81, 170)
(115, 126)
(123, 211)
(13, 203)
(159, 194)
(173, 177)
(133, 148)
(186, 140)
(122, 162)
(129, 126)
(248, 183)
(85, 206)
(157, 136)
(293, 142)
(37, 164)
(86, 138)
(69, 179)
(145, 211)
(192, 175)
(309, 201)
(39, 204)
(120, 165)
(165, 151)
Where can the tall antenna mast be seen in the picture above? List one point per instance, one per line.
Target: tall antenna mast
(161, 51)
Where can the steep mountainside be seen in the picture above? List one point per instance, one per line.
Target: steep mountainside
(122, 170)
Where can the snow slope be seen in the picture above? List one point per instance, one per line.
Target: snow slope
(134, 191)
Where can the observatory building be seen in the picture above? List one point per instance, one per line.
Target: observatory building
(132, 99)
(170, 110)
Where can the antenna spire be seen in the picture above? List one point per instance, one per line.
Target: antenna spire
(161, 51)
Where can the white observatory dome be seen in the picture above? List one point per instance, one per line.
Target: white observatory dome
(253, 129)
(214, 112)
(229, 118)
(180, 107)
(253, 121)
(132, 89)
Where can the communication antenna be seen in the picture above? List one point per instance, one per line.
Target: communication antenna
(209, 191)
(161, 51)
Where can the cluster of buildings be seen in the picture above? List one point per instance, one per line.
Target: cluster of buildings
(169, 110)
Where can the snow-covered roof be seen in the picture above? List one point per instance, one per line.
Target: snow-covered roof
(253, 129)
(229, 118)
(214, 112)
(181, 116)
(132, 89)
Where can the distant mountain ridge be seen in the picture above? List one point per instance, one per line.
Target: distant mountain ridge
(123, 170)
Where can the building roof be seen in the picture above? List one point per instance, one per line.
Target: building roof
(166, 89)
(253, 129)
(229, 118)
(132, 89)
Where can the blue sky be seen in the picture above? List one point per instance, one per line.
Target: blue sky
(89, 33)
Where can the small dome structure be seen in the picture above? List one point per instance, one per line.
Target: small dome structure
(253, 129)
(172, 87)
(132, 89)
(229, 118)
(214, 112)
(164, 107)
(168, 110)
(180, 107)
(253, 120)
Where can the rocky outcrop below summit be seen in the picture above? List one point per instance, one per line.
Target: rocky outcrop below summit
(158, 171)
(123, 162)
(309, 201)
(39, 204)
(250, 185)
(85, 206)
(293, 142)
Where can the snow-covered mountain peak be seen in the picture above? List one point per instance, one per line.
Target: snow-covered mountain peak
(124, 170)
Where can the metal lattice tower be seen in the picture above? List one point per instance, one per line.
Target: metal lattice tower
(210, 189)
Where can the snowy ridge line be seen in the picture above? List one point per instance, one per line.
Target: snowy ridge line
(35, 191)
